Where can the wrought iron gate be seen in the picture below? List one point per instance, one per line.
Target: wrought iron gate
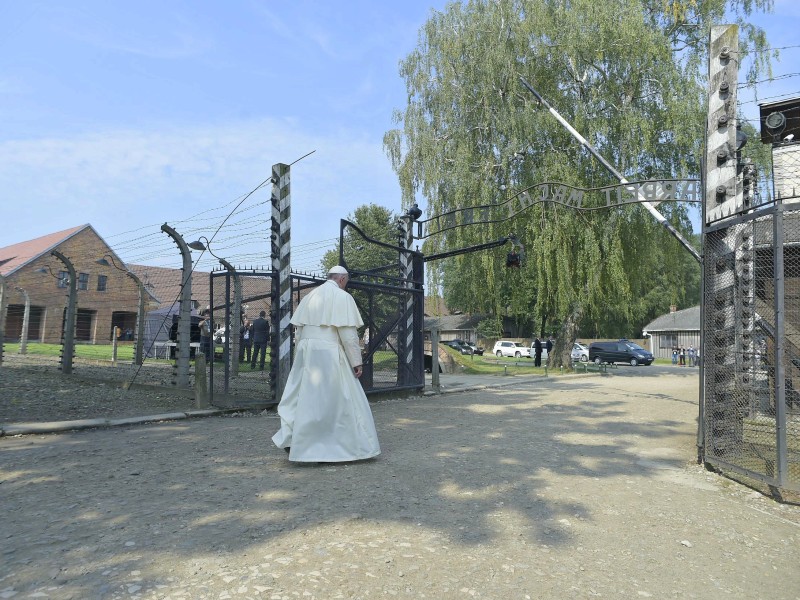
(386, 282)
(751, 348)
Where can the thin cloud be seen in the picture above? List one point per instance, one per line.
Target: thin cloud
(119, 180)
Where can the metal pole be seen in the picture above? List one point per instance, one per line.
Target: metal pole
(23, 336)
(281, 361)
(701, 349)
(114, 343)
(68, 349)
(407, 263)
(650, 208)
(2, 316)
(139, 348)
(185, 317)
(435, 360)
(780, 348)
(231, 336)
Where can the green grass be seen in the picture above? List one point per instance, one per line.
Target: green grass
(89, 351)
(124, 352)
(489, 364)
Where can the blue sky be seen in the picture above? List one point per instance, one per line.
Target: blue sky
(129, 115)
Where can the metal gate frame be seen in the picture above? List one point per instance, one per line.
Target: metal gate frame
(232, 385)
(230, 388)
(750, 407)
(403, 280)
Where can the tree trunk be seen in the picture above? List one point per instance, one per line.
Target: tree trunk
(562, 348)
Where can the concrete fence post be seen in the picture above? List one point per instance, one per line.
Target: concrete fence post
(200, 381)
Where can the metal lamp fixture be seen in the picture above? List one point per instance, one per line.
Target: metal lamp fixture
(415, 212)
(204, 244)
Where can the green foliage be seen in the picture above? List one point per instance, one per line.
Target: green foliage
(376, 222)
(627, 74)
(363, 255)
(490, 329)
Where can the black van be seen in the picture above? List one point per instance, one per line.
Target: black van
(621, 351)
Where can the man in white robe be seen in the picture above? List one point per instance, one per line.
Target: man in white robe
(325, 415)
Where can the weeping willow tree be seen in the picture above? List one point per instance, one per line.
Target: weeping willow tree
(627, 74)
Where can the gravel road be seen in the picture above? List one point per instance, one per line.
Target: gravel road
(570, 487)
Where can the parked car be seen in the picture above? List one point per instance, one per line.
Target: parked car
(621, 351)
(476, 349)
(459, 345)
(579, 352)
(509, 348)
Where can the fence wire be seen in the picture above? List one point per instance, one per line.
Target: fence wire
(752, 345)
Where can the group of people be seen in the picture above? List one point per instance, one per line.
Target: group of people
(253, 340)
(685, 356)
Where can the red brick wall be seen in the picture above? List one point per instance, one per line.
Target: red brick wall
(83, 250)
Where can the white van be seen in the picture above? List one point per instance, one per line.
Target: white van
(509, 348)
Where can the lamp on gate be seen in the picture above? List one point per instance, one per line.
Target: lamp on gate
(236, 317)
(414, 212)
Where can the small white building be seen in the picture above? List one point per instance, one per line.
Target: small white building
(676, 329)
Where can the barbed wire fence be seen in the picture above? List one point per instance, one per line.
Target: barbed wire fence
(237, 231)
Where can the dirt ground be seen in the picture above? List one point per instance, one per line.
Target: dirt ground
(573, 487)
(33, 390)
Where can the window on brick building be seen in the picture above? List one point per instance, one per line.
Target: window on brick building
(102, 281)
(62, 280)
(83, 281)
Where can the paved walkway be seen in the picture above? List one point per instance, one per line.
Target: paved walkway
(580, 487)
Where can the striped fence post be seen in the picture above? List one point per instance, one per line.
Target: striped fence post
(723, 195)
(407, 333)
(721, 333)
(281, 313)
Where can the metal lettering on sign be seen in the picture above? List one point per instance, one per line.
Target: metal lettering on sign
(633, 192)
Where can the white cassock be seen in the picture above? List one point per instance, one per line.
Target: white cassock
(325, 415)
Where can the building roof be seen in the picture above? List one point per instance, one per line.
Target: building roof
(16, 256)
(453, 322)
(165, 283)
(687, 319)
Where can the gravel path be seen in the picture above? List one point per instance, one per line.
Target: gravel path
(580, 487)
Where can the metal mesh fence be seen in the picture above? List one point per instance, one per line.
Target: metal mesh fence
(752, 345)
(240, 370)
(153, 372)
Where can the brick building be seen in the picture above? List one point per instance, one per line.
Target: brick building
(106, 296)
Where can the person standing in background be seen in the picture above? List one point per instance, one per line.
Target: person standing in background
(245, 340)
(260, 339)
